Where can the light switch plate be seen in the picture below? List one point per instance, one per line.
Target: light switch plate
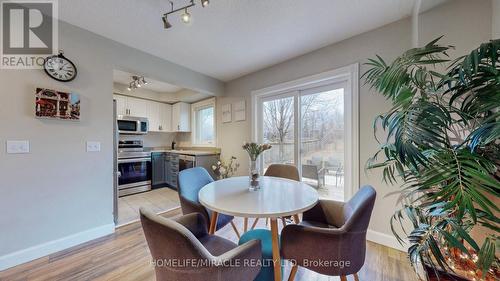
(18, 146)
(93, 146)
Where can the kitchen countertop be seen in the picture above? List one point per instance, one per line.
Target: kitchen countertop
(183, 151)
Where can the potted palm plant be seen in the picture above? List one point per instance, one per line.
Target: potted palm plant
(442, 147)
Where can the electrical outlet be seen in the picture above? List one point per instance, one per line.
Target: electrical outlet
(93, 146)
(16, 147)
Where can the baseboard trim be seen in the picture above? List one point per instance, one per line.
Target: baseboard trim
(384, 239)
(38, 251)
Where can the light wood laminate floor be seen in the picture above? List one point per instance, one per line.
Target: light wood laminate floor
(124, 255)
(158, 200)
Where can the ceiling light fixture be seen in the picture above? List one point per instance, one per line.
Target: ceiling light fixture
(166, 23)
(186, 16)
(137, 82)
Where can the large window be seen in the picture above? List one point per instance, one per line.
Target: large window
(312, 124)
(204, 133)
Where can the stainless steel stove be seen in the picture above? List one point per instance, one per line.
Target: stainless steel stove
(134, 168)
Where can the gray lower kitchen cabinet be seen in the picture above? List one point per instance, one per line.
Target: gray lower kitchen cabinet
(158, 177)
(165, 167)
(172, 169)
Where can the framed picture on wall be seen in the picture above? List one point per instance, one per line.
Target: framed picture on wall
(52, 104)
(226, 113)
(240, 111)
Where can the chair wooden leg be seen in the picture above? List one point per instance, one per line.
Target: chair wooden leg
(296, 219)
(343, 278)
(293, 272)
(283, 220)
(276, 249)
(213, 223)
(356, 278)
(254, 223)
(245, 225)
(235, 229)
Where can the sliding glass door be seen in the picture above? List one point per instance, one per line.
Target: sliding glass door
(322, 139)
(315, 142)
(278, 129)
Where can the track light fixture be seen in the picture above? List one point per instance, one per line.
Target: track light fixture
(166, 23)
(137, 82)
(186, 16)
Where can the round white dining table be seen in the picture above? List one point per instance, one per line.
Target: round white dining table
(277, 198)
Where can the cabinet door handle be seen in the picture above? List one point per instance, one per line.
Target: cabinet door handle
(178, 127)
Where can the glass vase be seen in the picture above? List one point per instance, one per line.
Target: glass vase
(254, 175)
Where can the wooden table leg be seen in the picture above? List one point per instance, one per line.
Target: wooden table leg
(254, 223)
(276, 249)
(213, 223)
(296, 219)
(245, 225)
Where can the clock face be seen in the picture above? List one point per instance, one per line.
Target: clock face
(60, 68)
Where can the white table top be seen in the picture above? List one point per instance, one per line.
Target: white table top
(277, 197)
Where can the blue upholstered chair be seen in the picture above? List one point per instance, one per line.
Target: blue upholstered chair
(190, 182)
(264, 235)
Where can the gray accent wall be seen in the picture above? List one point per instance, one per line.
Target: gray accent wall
(465, 24)
(495, 25)
(59, 190)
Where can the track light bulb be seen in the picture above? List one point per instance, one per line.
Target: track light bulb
(186, 17)
(129, 89)
(205, 3)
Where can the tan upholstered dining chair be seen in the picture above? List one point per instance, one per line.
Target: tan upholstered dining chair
(331, 231)
(183, 250)
(281, 171)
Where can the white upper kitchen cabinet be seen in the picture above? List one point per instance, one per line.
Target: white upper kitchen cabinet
(181, 117)
(121, 105)
(138, 107)
(154, 116)
(165, 117)
(160, 115)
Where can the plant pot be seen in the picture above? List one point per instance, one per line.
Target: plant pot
(439, 275)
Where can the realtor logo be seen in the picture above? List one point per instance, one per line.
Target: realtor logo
(29, 33)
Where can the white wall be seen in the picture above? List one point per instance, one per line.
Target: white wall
(495, 24)
(58, 195)
(388, 41)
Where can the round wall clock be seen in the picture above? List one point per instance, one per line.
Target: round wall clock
(60, 68)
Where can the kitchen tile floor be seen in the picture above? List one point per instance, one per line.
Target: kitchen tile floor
(157, 200)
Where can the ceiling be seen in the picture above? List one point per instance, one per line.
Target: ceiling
(230, 38)
(161, 91)
(153, 85)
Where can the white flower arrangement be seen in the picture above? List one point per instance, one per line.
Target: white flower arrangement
(223, 170)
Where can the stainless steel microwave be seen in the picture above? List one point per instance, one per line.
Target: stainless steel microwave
(129, 125)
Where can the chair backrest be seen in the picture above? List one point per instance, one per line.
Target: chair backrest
(169, 240)
(283, 171)
(191, 181)
(358, 210)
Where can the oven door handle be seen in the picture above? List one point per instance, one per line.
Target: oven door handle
(132, 160)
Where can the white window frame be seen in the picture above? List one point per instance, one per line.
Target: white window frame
(195, 107)
(348, 75)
